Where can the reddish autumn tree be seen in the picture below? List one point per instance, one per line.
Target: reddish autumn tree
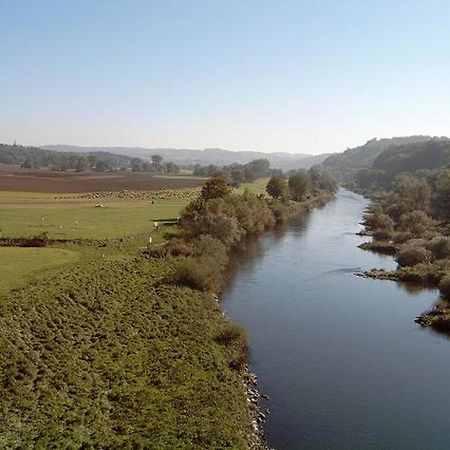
(215, 187)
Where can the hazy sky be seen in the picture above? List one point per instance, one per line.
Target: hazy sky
(299, 76)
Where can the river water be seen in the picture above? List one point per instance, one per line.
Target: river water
(340, 356)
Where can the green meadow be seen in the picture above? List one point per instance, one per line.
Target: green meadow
(111, 354)
(19, 265)
(85, 221)
(26, 214)
(99, 347)
(257, 186)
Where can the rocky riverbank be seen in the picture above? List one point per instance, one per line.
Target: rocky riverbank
(257, 412)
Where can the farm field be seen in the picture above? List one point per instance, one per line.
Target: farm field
(13, 178)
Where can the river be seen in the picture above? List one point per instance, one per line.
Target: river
(340, 356)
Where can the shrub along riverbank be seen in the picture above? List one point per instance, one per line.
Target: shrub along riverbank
(216, 222)
(409, 224)
(131, 350)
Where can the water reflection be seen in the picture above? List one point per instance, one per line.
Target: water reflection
(415, 288)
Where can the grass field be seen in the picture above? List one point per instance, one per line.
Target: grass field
(25, 214)
(29, 213)
(257, 187)
(98, 347)
(108, 355)
(85, 221)
(19, 265)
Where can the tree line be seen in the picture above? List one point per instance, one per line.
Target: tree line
(236, 174)
(299, 184)
(294, 185)
(37, 158)
(219, 218)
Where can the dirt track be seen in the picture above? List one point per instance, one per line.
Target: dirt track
(16, 179)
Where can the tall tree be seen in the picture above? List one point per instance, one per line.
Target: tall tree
(215, 187)
(136, 165)
(442, 194)
(82, 164)
(298, 185)
(277, 187)
(237, 176)
(415, 193)
(259, 168)
(156, 160)
(102, 165)
(172, 168)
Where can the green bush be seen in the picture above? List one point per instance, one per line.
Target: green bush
(413, 255)
(202, 273)
(174, 247)
(252, 212)
(440, 247)
(231, 334)
(395, 210)
(416, 222)
(228, 219)
(215, 187)
(382, 235)
(401, 237)
(235, 337)
(281, 211)
(207, 245)
(277, 187)
(444, 286)
(299, 184)
(216, 217)
(378, 221)
(204, 269)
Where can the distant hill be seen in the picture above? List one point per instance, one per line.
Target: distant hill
(429, 155)
(376, 164)
(347, 164)
(215, 156)
(35, 157)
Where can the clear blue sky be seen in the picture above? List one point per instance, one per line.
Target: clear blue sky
(299, 76)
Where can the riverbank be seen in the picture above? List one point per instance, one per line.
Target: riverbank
(419, 248)
(201, 252)
(331, 349)
(112, 351)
